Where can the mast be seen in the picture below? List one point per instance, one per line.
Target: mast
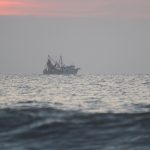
(49, 64)
(61, 61)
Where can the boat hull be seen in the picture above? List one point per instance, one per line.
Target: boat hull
(64, 71)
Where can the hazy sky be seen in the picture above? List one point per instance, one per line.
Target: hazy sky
(100, 36)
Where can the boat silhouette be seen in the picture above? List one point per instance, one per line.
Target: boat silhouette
(58, 67)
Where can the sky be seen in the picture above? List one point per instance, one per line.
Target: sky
(99, 36)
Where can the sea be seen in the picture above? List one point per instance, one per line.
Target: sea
(82, 112)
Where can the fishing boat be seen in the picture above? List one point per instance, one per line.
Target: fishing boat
(59, 68)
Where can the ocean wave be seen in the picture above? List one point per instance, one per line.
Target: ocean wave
(50, 128)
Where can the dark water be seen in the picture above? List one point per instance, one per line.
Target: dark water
(47, 128)
(86, 112)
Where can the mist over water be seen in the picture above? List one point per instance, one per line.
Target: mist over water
(80, 112)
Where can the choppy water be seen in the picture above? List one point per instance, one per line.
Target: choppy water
(85, 112)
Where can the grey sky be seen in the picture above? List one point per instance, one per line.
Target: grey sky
(96, 44)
